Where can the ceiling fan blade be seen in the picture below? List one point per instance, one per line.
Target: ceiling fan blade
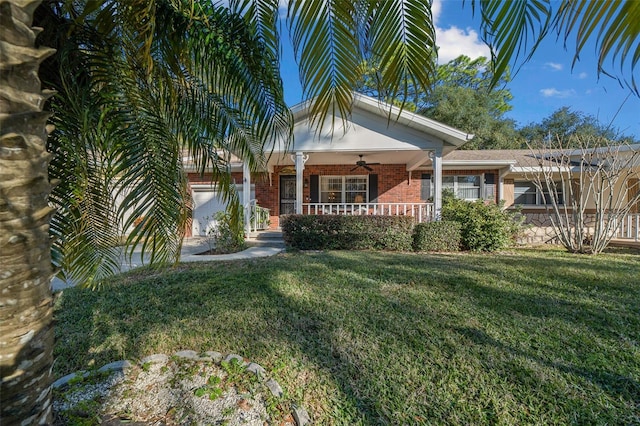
(373, 164)
(355, 168)
(368, 168)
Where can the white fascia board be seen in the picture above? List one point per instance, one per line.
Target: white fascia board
(529, 170)
(478, 163)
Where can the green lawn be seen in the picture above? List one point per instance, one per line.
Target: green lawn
(525, 337)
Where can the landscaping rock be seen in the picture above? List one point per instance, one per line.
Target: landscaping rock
(143, 395)
(236, 357)
(275, 388)
(116, 366)
(257, 370)
(301, 416)
(155, 358)
(216, 356)
(63, 381)
(193, 355)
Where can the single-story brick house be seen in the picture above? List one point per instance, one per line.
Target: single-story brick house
(383, 162)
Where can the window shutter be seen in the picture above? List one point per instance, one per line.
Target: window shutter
(425, 186)
(489, 186)
(314, 188)
(373, 188)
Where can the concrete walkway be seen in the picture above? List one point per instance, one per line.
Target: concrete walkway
(189, 253)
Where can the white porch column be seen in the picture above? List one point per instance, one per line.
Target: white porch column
(299, 160)
(246, 197)
(437, 179)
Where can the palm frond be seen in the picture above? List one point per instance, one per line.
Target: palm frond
(85, 225)
(513, 30)
(615, 24)
(403, 41)
(333, 39)
(171, 76)
(327, 49)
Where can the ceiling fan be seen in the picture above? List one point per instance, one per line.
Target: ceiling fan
(364, 164)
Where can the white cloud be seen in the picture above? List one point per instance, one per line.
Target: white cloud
(582, 75)
(454, 41)
(436, 8)
(552, 92)
(554, 66)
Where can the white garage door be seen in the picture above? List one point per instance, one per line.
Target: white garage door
(206, 203)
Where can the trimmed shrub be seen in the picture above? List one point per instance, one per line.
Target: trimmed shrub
(484, 226)
(437, 236)
(328, 232)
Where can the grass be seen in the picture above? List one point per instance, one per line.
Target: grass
(524, 337)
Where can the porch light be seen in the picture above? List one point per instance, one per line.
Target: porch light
(306, 182)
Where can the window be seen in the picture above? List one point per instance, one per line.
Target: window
(343, 189)
(528, 194)
(425, 187)
(465, 187)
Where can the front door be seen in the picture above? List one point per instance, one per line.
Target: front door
(287, 194)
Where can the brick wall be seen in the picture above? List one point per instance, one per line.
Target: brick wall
(394, 185)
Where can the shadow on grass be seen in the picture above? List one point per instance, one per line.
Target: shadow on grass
(389, 338)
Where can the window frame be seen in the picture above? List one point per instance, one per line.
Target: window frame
(343, 191)
(539, 195)
(480, 187)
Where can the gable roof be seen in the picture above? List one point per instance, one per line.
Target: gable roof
(393, 116)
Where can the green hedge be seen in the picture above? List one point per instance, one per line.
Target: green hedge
(328, 232)
(484, 226)
(437, 236)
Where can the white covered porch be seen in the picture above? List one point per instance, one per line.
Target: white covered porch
(386, 150)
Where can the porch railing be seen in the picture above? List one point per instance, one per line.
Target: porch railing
(629, 227)
(259, 220)
(422, 212)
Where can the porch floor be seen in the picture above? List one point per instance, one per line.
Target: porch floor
(619, 242)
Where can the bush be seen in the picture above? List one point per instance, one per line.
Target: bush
(227, 234)
(328, 232)
(437, 236)
(484, 226)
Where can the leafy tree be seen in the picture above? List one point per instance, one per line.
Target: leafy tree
(572, 127)
(157, 52)
(462, 97)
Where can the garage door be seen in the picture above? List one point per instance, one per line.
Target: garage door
(206, 203)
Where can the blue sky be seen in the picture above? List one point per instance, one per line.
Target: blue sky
(542, 85)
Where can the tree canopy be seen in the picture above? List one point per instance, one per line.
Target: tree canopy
(571, 126)
(463, 97)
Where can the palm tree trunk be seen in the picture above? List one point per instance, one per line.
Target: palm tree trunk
(26, 333)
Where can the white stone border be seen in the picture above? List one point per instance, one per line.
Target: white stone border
(300, 415)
